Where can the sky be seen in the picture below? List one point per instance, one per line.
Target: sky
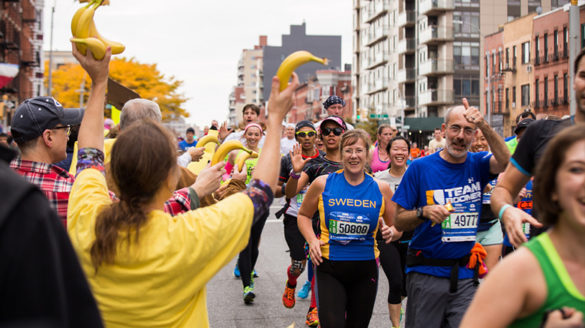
(200, 42)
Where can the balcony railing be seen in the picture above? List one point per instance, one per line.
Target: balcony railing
(436, 67)
(377, 33)
(435, 97)
(428, 7)
(406, 18)
(406, 46)
(554, 57)
(436, 34)
(375, 9)
(409, 102)
(406, 75)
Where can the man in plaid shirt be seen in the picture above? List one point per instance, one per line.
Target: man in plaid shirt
(41, 127)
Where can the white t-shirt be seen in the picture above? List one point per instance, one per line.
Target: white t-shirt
(286, 145)
(435, 145)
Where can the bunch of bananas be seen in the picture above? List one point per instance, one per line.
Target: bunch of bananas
(85, 34)
(227, 147)
(294, 60)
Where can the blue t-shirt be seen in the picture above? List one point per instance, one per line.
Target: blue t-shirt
(183, 144)
(432, 180)
(349, 218)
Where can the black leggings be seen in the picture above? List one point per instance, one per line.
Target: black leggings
(346, 292)
(248, 257)
(393, 261)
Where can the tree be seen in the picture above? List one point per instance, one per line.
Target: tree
(145, 79)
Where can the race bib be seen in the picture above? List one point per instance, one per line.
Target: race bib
(461, 225)
(345, 227)
(300, 196)
(526, 229)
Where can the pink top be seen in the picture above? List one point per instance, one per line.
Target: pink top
(377, 164)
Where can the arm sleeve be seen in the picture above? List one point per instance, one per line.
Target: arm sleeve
(523, 158)
(184, 159)
(179, 203)
(284, 169)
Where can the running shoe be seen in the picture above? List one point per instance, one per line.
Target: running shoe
(252, 280)
(236, 271)
(288, 298)
(249, 295)
(312, 318)
(255, 274)
(304, 291)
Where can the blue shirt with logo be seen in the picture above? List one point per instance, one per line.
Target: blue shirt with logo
(183, 144)
(349, 218)
(433, 181)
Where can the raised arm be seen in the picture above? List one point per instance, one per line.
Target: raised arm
(279, 104)
(91, 132)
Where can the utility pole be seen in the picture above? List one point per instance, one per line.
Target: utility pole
(574, 47)
(489, 95)
(50, 84)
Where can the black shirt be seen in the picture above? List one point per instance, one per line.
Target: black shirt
(534, 141)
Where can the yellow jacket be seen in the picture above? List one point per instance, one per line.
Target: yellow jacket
(159, 281)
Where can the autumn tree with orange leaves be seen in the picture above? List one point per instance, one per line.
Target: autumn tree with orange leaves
(144, 79)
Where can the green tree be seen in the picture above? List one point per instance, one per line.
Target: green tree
(145, 79)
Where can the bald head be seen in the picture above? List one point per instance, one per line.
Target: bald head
(453, 111)
(139, 109)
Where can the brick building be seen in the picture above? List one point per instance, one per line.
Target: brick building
(21, 38)
(551, 62)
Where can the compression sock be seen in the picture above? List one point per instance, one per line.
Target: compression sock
(292, 279)
(313, 300)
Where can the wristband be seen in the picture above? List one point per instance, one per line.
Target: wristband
(282, 188)
(294, 175)
(505, 207)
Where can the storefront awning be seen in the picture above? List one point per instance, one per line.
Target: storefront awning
(423, 123)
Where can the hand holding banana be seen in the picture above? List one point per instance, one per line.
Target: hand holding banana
(85, 34)
(294, 60)
(225, 148)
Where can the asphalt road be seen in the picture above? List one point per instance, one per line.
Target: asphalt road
(224, 292)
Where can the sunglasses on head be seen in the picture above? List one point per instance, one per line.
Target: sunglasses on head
(304, 134)
(327, 131)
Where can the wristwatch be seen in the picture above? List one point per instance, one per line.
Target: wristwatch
(419, 213)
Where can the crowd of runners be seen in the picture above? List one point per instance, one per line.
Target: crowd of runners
(479, 232)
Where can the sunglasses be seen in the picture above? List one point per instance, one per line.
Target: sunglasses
(327, 131)
(304, 134)
(67, 129)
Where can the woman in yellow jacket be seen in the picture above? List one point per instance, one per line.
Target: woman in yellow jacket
(146, 268)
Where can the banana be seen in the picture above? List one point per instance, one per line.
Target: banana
(97, 47)
(240, 161)
(117, 47)
(85, 19)
(75, 19)
(225, 148)
(205, 140)
(294, 60)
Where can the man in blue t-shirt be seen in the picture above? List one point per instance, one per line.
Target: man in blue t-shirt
(189, 140)
(439, 286)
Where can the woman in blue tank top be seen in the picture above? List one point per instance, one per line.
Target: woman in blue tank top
(542, 283)
(350, 203)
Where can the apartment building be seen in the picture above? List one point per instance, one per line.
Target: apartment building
(21, 38)
(250, 84)
(418, 57)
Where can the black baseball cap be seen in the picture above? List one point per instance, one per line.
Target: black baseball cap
(523, 125)
(34, 116)
(303, 124)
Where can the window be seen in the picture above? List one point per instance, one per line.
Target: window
(556, 90)
(500, 66)
(545, 50)
(466, 23)
(525, 95)
(556, 45)
(545, 102)
(526, 53)
(513, 97)
(466, 87)
(565, 88)
(536, 50)
(487, 73)
(499, 99)
(565, 42)
(536, 95)
(514, 56)
(507, 98)
(507, 57)
(466, 54)
(582, 35)
(494, 62)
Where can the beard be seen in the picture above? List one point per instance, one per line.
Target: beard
(456, 153)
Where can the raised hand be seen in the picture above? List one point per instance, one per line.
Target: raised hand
(297, 160)
(472, 114)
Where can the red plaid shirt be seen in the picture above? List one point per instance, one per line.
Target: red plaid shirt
(55, 182)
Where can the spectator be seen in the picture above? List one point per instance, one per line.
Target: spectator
(189, 140)
(41, 127)
(4, 139)
(334, 107)
(288, 142)
(437, 143)
(414, 151)
(41, 281)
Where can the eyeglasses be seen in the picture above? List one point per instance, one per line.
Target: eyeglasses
(67, 129)
(456, 129)
(327, 131)
(304, 134)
